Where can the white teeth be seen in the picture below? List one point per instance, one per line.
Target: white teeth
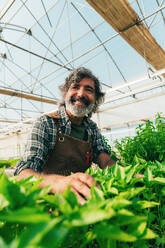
(79, 102)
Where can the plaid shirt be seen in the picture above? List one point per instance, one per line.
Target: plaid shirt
(43, 139)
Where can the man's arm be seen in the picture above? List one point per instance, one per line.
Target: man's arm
(37, 148)
(80, 183)
(105, 160)
(101, 150)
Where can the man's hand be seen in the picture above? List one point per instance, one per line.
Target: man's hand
(138, 175)
(80, 183)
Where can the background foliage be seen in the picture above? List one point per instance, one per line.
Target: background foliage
(148, 143)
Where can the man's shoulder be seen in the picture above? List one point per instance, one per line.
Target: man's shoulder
(52, 114)
(91, 123)
(46, 119)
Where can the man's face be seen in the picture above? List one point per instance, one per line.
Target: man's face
(80, 98)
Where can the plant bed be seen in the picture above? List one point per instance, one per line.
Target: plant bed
(125, 212)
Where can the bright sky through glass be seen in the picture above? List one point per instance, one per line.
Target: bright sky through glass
(37, 45)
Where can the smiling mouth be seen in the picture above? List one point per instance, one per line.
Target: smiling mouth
(80, 101)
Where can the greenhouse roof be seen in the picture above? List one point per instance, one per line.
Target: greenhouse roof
(122, 42)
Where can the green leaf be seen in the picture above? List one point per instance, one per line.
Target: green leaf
(125, 212)
(60, 203)
(55, 237)
(33, 235)
(118, 203)
(161, 166)
(163, 191)
(71, 197)
(130, 174)
(139, 160)
(159, 180)
(107, 231)
(89, 214)
(132, 192)
(148, 174)
(13, 244)
(96, 194)
(147, 204)
(113, 191)
(125, 217)
(140, 229)
(149, 234)
(163, 223)
(53, 199)
(114, 169)
(109, 183)
(3, 244)
(3, 202)
(11, 192)
(25, 215)
(120, 173)
(44, 191)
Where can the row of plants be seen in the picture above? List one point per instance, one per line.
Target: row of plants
(126, 211)
(148, 143)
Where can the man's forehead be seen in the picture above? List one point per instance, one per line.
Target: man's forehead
(85, 81)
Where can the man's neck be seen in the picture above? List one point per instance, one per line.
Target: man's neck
(74, 119)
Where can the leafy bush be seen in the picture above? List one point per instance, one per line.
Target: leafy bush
(124, 212)
(112, 153)
(148, 144)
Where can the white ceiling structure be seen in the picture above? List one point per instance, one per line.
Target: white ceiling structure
(42, 40)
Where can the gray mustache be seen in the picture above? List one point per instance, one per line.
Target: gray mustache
(82, 99)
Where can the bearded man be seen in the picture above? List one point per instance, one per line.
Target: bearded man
(68, 140)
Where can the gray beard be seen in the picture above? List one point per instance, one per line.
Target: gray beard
(78, 111)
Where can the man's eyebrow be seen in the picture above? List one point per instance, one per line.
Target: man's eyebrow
(88, 86)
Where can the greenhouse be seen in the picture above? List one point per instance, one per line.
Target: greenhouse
(115, 106)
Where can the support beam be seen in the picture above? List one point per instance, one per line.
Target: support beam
(134, 92)
(6, 8)
(125, 124)
(122, 17)
(35, 54)
(10, 121)
(104, 109)
(27, 96)
(121, 86)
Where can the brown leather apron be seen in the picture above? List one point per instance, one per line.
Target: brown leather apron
(69, 155)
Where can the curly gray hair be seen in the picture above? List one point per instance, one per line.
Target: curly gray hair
(76, 76)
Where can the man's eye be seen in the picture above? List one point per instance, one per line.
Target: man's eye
(90, 90)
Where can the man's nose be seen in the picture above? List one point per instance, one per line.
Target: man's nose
(80, 92)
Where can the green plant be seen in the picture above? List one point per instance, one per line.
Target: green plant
(148, 144)
(8, 163)
(111, 152)
(124, 212)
